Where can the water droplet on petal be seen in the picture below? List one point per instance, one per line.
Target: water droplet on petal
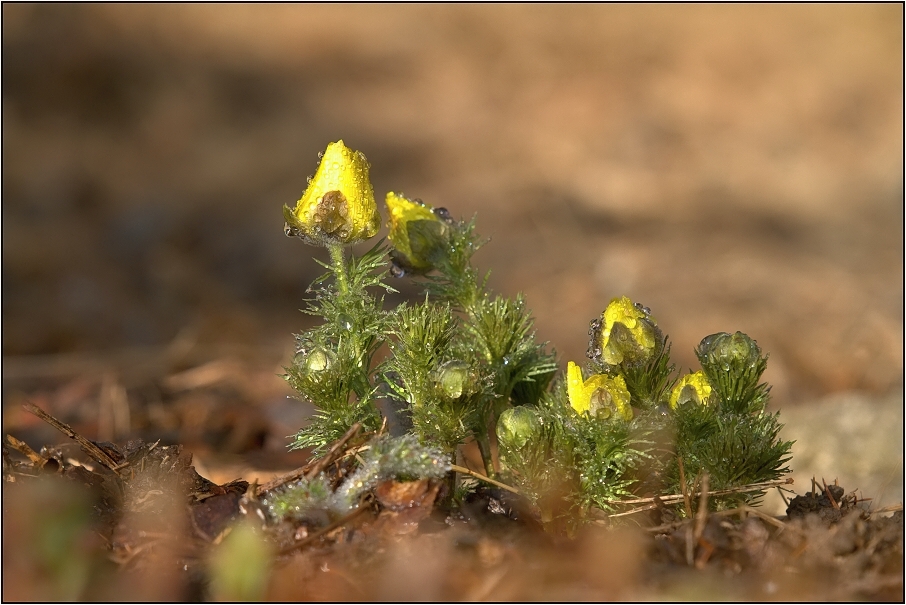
(444, 215)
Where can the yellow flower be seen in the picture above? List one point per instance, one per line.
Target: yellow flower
(600, 395)
(691, 387)
(625, 332)
(338, 206)
(415, 231)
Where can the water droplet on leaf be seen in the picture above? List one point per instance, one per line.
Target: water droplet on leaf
(344, 321)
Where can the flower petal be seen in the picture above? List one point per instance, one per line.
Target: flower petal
(338, 205)
(694, 387)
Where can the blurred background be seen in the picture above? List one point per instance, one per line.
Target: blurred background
(734, 167)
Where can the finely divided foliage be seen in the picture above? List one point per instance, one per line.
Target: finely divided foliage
(463, 365)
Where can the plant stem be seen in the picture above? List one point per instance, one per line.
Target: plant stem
(484, 446)
(338, 264)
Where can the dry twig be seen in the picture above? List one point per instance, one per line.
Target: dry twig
(633, 511)
(829, 495)
(687, 504)
(745, 509)
(283, 479)
(701, 515)
(23, 448)
(466, 471)
(335, 450)
(324, 530)
(90, 447)
(312, 468)
(669, 499)
(892, 508)
(701, 519)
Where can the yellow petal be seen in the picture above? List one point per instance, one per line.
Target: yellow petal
(697, 383)
(620, 397)
(608, 396)
(402, 212)
(579, 399)
(600, 395)
(623, 406)
(338, 206)
(622, 319)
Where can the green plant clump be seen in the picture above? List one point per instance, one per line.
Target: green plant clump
(463, 366)
(401, 458)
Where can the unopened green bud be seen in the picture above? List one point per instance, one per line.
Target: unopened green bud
(317, 361)
(313, 358)
(725, 352)
(454, 377)
(733, 364)
(516, 427)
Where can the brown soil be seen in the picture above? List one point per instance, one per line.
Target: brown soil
(90, 525)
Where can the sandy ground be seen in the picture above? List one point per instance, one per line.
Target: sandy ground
(732, 167)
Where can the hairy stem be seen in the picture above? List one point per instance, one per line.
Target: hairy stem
(338, 264)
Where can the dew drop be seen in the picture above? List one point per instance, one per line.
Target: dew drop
(317, 361)
(444, 215)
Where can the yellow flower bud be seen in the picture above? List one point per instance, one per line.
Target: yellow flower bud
(600, 395)
(338, 206)
(691, 387)
(416, 232)
(625, 332)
